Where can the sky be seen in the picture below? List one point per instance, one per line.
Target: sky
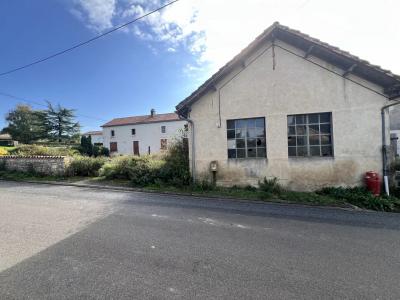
(161, 59)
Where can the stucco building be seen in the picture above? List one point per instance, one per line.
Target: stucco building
(292, 107)
(95, 136)
(146, 134)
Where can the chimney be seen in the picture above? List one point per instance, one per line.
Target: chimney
(152, 112)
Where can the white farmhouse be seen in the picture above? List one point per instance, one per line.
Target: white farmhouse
(95, 136)
(292, 107)
(142, 134)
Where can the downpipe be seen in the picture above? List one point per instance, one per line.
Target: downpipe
(192, 146)
(384, 147)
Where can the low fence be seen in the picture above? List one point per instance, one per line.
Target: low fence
(46, 165)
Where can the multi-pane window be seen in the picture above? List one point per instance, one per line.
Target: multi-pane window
(163, 129)
(310, 135)
(246, 138)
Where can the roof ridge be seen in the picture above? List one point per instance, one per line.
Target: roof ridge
(267, 33)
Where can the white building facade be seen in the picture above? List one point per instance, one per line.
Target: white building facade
(96, 137)
(140, 135)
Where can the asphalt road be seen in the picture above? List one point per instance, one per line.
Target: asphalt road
(80, 243)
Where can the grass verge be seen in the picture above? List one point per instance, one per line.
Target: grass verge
(337, 197)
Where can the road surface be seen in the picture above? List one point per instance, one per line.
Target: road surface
(80, 243)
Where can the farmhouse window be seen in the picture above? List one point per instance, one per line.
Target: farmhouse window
(310, 135)
(163, 129)
(133, 131)
(113, 147)
(164, 144)
(112, 133)
(246, 138)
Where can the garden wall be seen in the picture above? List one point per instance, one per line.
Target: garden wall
(47, 165)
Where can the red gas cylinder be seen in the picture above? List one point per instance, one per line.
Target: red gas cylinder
(373, 182)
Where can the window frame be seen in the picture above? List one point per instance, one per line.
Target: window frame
(116, 147)
(307, 135)
(133, 131)
(264, 136)
(112, 133)
(163, 129)
(161, 144)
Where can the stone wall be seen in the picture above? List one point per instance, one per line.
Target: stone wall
(47, 165)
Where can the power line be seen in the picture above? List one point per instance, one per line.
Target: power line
(43, 105)
(86, 42)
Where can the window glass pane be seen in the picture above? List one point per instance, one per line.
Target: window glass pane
(241, 123)
(292, 130)
(260, 142)
(245, 136)
(313, 118)
(230, 124)
(290, 120)
(231, 153)
(241, 153)
(325, 118)
(291, 140)
(292, 151)
(230, 134)
(314, 140)
(326, 150)
(260, 132)
(325, 128)
(301, 130)
(240, 143)
(260, 123)
(301, 151)
(231, 144)
(301, 140)
(300, 119)
(251, 123)
(251, 142)
(240, 133)
(261, 152)
(326, 140)
(313, 129)
(315, 151)
(251, 152)
(251, 132)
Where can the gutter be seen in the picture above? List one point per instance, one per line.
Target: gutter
(384, 147)
(192, 144)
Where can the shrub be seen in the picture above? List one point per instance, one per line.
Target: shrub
(176, 170)
(3, 152)
(172, 168)
(270, 186)
(86, 146)
(140, 171)
(29, 150)
(85, 166)
(361, 197)
(100, 151)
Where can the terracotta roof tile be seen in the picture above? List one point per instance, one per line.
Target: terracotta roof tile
(143, 119)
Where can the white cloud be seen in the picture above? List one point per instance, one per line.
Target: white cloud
(99, 13)
(213, 31)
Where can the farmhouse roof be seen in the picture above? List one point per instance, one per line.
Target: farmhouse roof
(143, 119)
